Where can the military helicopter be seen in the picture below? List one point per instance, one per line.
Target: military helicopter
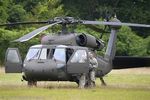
(58, 56)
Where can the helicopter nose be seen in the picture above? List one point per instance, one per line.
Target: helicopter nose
(40, 69)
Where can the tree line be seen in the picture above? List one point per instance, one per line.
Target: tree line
(131, 41)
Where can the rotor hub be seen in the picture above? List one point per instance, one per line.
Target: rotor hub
(65, 20)
(115, 26)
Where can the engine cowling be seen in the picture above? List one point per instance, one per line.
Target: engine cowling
(90, 41)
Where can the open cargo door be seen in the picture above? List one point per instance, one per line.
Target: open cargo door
(13, 62)
(78, 62)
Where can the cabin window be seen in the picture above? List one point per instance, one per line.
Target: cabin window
(59, 54)
(33, 53)
(69, 53)
(80, 56)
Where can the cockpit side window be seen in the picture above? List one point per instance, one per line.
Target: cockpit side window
(80, 56)
(44, 53)
(33, 53)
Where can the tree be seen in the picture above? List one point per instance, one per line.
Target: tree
(137, 11)
(4, 10)
(17, 14)
(48, 10)
(129, 44)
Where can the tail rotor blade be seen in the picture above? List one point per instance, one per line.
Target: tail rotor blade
(34, 33)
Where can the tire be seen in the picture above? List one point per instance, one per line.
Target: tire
(32, 83)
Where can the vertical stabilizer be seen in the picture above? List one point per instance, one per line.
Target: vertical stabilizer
(111, 47)
(105, 64)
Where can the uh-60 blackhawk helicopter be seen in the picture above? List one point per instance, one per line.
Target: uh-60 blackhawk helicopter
(58, 56)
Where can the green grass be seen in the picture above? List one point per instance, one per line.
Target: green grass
(120, 87)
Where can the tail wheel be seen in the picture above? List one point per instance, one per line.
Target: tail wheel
(32, 83)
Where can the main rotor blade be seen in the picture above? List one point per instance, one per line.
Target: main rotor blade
(96, 29)
(34, 33)
(23, 23)
(114, 23)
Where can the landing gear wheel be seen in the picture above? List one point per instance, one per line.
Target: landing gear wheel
(32, 83)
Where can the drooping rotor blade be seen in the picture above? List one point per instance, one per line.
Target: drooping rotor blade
(23, 23)
(34, 33)
(114, 23)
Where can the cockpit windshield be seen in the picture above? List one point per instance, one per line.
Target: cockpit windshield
(33, 53)
(59, 53)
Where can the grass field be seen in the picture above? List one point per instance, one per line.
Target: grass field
(130, 84)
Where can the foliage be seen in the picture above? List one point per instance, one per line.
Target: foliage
(129, 44)
(7, 41)
(4, 10)
(36, 10)
(48, 10)
(147, 44)
(137, 11)
(16, 13)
